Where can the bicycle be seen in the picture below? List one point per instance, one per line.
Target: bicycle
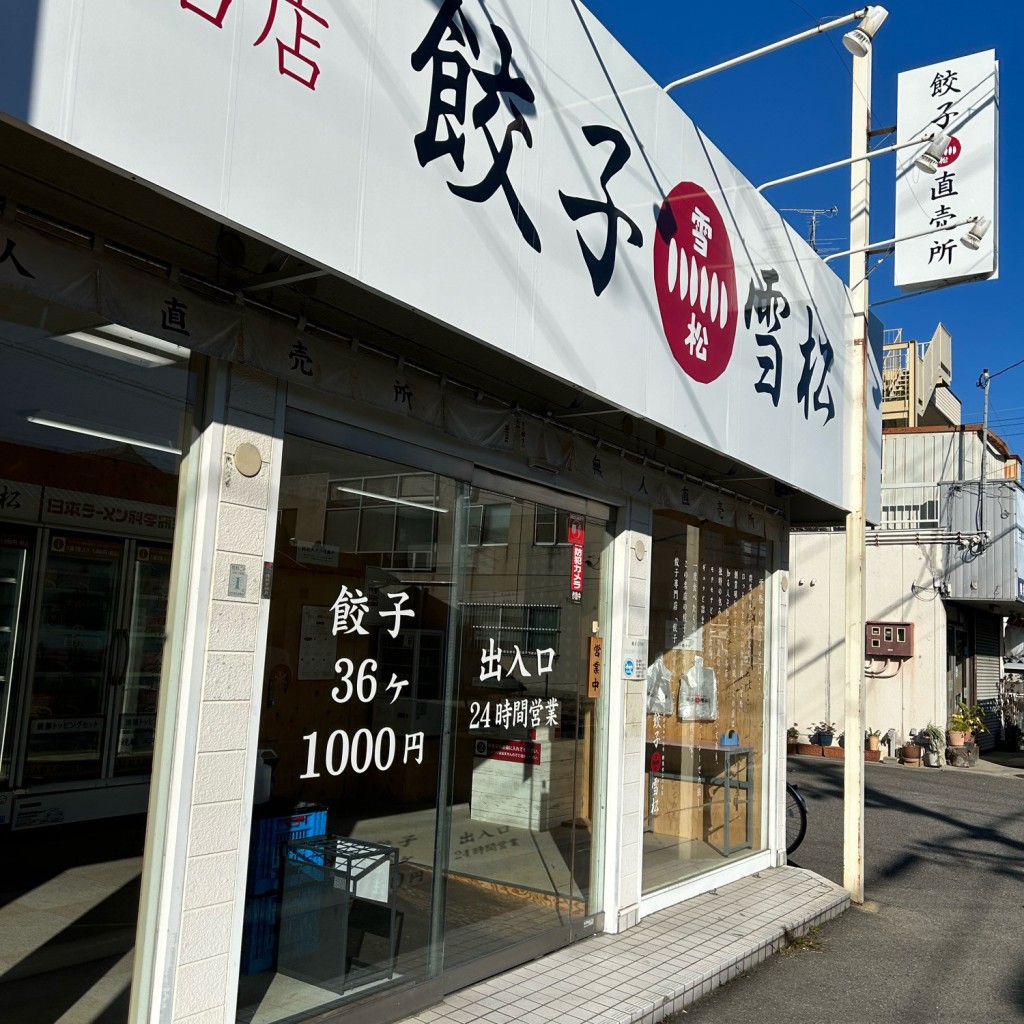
(796, 818)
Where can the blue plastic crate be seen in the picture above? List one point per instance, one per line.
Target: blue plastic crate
(259, 934)
(270, 836)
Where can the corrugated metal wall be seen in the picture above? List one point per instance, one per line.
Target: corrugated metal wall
(981, 570)
(933, 456)
(947, 403)
(929, 457)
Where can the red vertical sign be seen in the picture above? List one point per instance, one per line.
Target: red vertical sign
(577, 530)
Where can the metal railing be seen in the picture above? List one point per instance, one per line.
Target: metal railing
(909, 507)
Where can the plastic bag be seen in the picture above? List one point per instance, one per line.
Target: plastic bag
(660, 700)
(698, 693)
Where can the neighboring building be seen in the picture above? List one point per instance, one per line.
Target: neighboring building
(392, 402)
(944, 565)
(1012, 683)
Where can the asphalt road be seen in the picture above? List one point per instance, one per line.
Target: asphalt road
(941, 934)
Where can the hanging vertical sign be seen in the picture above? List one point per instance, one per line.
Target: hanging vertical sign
(577, 532)
(595, 666)
(960, 99)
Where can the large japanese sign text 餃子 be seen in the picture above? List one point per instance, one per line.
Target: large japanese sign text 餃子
(504, 167)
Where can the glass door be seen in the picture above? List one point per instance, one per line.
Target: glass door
(78, 656)
(956, 666)
(427, 792)
(140, 680)
(15, 551)
(98, 649)
(706, 683)
(342, 887)
(520, 811)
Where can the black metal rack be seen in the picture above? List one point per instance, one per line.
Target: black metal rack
(339, 925)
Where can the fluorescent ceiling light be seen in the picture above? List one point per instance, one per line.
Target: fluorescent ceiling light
(388, 497)
(127, 345)
(78, 426)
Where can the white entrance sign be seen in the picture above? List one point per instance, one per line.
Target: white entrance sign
(504, 167)
(959, 98)
(317, 645)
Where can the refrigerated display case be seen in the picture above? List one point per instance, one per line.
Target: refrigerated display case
(83, 716)
(147, 611)
(75, 659)
(15, 553)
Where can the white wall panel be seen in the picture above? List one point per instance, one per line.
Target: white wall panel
(332, 172)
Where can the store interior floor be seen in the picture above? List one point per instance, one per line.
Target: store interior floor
(69, 902)
(505, 885)
(669, 859)
(68, 912)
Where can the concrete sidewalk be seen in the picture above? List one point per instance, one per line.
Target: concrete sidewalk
(661, 966)
(990, 762)
(672, 958)
(1001, 762)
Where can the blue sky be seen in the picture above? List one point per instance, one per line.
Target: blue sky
(790, 110)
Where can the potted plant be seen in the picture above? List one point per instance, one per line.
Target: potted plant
(933, 739)
(872, 739)
(792, 738)
(824, 731)
(911, 751)
(967, 721)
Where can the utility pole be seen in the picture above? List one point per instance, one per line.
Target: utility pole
(860, 207)
(983, 382)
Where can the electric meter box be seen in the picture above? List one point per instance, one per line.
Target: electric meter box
(888, 639)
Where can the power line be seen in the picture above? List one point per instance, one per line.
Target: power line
(1012, 366)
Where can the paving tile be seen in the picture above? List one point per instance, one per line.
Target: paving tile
(462, 1016)
(662, 965)
(493, 1002)
(546, 1013)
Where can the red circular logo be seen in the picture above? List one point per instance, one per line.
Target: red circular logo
(656, 762)
(696, 282)
(952, 152)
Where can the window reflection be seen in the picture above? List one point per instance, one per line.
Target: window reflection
(91, 435)
(427, 732)
(705, 699)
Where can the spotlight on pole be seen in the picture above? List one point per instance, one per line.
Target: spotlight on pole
(858, 40)
(928, 161)
(977, 232)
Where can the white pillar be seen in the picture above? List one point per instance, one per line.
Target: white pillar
(860, 210)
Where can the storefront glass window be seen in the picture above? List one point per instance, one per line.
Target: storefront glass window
(93, 422)
(706, 681)
(427, 785)
(520, 820)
